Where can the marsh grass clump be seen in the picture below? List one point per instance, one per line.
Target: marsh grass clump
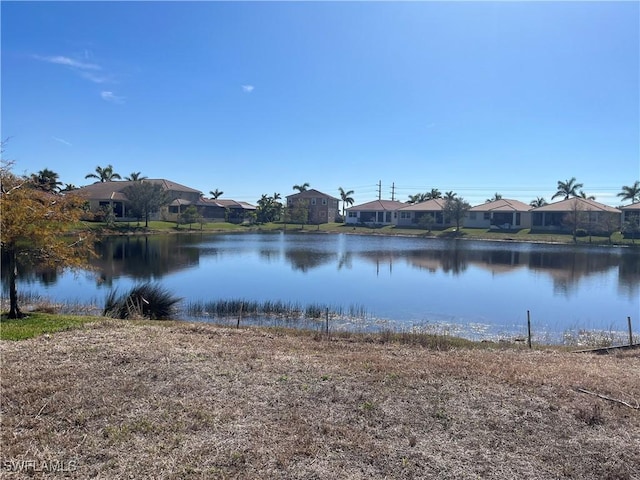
(143, 301)
(269, 308)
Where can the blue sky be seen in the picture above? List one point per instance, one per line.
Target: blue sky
(253, 98)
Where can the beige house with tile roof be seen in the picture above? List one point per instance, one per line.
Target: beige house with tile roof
(101, 195)
(413, 215)
(378, 212)
(499, 214)
(588, 214)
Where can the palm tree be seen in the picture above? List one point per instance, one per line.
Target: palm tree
(538, 202)
(496, 196)
(417, 198)
(568, 189)
(450, 195)
(433, 194)
(631, 193)
(216, 193)
(135, 177)
(582, 194)
(46, 180)
(346, 199)
(301, 188)
(104, 174)
(68, 187)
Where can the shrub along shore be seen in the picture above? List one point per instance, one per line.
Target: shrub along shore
(123, 399)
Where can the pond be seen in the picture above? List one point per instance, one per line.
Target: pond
(475, 289)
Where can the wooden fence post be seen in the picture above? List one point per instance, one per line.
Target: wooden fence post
(327, 321)
(630, 332)
(529, 328)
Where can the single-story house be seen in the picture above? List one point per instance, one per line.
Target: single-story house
(631, 220)
(578, 213)
(101, 195)
(377, 212)
(104, 194)
(414, 215)
(321, 208)
(631, 213)
(232, 211)
(499, 214)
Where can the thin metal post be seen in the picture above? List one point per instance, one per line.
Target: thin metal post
(529, 328)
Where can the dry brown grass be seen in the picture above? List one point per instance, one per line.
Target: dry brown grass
(189, 401)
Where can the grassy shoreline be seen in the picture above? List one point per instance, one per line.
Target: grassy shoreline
(521, 235)
(122, 399)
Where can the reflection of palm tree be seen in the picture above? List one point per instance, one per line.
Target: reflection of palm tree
(567, 189)
(631, 193)
(105, 174)
(346, 199)
(538, 202)
(302, 188)
(216, 194)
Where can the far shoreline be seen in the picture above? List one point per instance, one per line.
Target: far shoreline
(473, 234)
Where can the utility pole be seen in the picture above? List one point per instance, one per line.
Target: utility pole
(379, 189)
(393, 191)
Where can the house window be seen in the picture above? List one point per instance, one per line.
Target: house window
(353, 214)
(487, 216)
(323, 214)
(517, 218)
(313, 201)
(537, 219)
(324, 201)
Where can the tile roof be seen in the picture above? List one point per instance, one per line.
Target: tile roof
(378, 205)
(502, 205)
(433, 205)
(633, 206)
(113, 190)
(312, 192)
(576, 202)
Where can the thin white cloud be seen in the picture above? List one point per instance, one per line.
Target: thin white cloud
(69, 62)
(60, 140)
(247, 88)
(111, 97)
(89, 71)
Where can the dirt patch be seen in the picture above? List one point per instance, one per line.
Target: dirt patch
(196, 401)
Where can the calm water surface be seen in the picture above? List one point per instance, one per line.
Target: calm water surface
(470, 288)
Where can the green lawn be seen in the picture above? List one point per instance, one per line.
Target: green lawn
(36, 324)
